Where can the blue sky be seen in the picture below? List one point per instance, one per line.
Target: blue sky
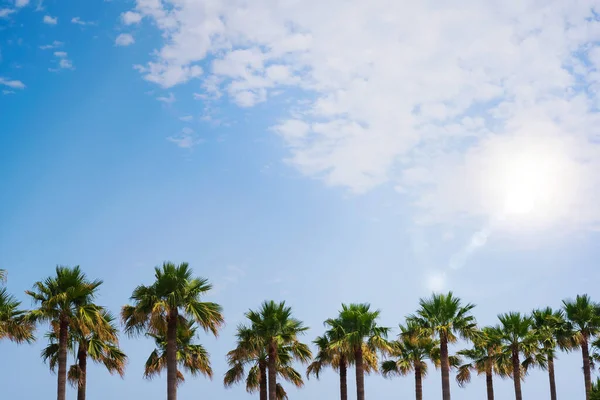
(318, 153)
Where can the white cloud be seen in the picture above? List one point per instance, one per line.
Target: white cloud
(14, 84)
(187, 139)
(186, 118)
(65, 64)
(130, 18)
(79, 21)
(5, 12)
(50, 20)
(21, 3)
(124, 39)
(7, 92)
(54, 45)
(418, 94)
(167, 99)
(60, 54)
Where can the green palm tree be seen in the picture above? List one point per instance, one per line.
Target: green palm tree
(338, 357)
(445, 318)
(595, 392)
(518, 338)
(173, 300)
(275, 328)
(359, 328)
(583, 319)
(99, 344)
(411, 351)
(248, 354)
(61, 299)
(551, 330)
(485, 359)
(13, 324)
(192, 358)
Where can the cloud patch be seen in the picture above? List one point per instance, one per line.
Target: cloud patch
(124, 39)
(49, 20)
(11, 83)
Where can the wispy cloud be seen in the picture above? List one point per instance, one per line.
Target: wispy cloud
(79, 21)
(50, 20)
(7, 92)
(63, 61)
(187, 139)
(12, 83)
(167, 99)
(130, 18)
(187, 118)
(21, 3)
(54, 45)
(5, 12)
(60, 54)
(124, 39)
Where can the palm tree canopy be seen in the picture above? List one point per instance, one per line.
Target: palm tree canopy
(411, 350)
(192, 358)
(485, 352)
(552, 330)
(66, 296)
(176, 293)
(274, 322)
(444, 315)
(13, 324)
(357, 325)
(583, 316)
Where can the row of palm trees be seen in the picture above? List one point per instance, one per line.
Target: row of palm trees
(171, 311)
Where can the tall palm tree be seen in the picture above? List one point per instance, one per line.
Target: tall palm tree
(518, 339)
(583, 319)
(13, 324)
(251, 352)
(411, 351)
(191, 357)
(551, 330)
(274, 328)
(61, 299)
(173, 300)
(485, 358)
(445, 318)
(338, 357)
(100, 344)
(358, 324)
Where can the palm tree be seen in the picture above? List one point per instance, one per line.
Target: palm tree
(13, 324)
(61, 299)
(173, 300)
(583, 317)
(3, 275)
(550, 328)
(358, 325)
(191, 357)
(251, 352)
(445, 318)
(517, 337)
(595, 392)
(338, 357)
(411, 351)
(100, 344)
(275, 328)
(485, 358)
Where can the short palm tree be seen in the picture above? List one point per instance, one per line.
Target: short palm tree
(100, 344)
(251, 353)
(583, 319)
(62, 299)
(551, 330)
(13, 324)
(192, 358)
(410, 353)
(484, 359)
(338, 357)
(359, 328)
(274, 328)
(445, 318)
(173, 300)
(518, 338)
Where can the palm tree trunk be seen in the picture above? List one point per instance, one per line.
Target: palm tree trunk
(272, 371)
(82, 362)
(551, 377)
(516, 364)
(172, 355)
(63, 337)
(489, 380)
(343, 378)
(360, 373)
(418, 382)
(445, 367)
(262, 366)
(585, 352)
